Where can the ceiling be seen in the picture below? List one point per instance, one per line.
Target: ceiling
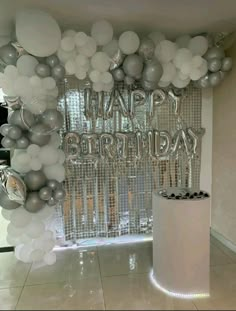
(173, 17)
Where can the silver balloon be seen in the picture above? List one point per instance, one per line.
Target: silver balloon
(22, 143)
(106, 147)
(52, 202)
(180, 141)
(149, 86)
(116, 99)
(22, 118)
(159, 143)
(215, 52)
(35, 180)
(33, 202)
(39, 134)
(58, 72)
(14, 132)
(204, 82)
(45, 193)
(118, 74)
(196, 137)
(43, 70)
(139, 145)
(117, 59)
(157, 98)
(71, 145)
(152, 71)
(123, 150)
(8, 54)
(89, 142)
(100, 104)
(52, 61)
(146, 49)
(53, 118)
(215, 79)
(87, 103)
(4, 129)
(59, 194)
(133, 65)
(12, 102)
(53, 184)
(177, 101)
(12, 184)
(7, 142)
(137, 98)
(214, 64)
(227, 64)
(6, 203)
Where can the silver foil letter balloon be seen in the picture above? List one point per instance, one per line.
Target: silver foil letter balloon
(71, 145)
(122, 145)
(137, 98)
(89, 140)
(157, 98)
(116, 101)
(106, 146)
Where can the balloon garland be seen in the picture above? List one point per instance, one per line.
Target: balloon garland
(32, 66)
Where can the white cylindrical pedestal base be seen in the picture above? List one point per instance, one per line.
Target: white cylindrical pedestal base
(181, 245)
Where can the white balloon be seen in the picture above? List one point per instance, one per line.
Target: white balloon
(81, 60)
(20, 217)
(129, 42)
(49, 244)
(50, 258)
(203, 68)
(35, 164)
(80, 73)
(102, 32)
(100, 61)
(37, 32)
(182, 56)
(186, 68)
(20, 162)
(17, 251)
(163, 84)
(169, 72)
(36, 255)
(65, 56)
(55, 140)
(156, 37)
(107, 87)
(11, 72)
(106, 77)
(36, 82)
(44, 213)
(33, 150)
(183, 41)
(70, 67)
(6, 214)
(177, 82)
(35, 229)
(26, 65)
(165, 51)
(8, 87)
(14, 231)
(95, 76)
(49, 83)
(98, 86)
(25, 252)
(67, 44)
(182, 76)
(195, 74)
(61, 156)
(14, 241)
(89, 48)
(198, 45)
(197, 61)
(36, 105)
(81, 39)
(48, 155)
(68, 33)
(111, 48)
(56, 171)
(22, 86)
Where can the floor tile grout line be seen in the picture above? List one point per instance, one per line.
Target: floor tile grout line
(23, 287)
(100, 272)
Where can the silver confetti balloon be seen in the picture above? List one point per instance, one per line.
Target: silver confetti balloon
(133, 65)
(117, 59)
(33, 203)
(22, 143)
(22, 118)
(118, 74)
(45, 193)
(39, 134)
(53, 184)
(4, 129)
(12, 184)
(59, 194)
(146, 49)
(8, 54)
(227, 64)
(53, 118)
(43, 70)
(152, 71)
(215, 52)
(8, 142)
(14, 132)
(215, 79)
(214, 64)
(35, 180)
(58, 72)
(52, 61)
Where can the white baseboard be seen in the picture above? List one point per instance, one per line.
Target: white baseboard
(223, 240)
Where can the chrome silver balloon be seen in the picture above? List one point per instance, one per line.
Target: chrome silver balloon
(35, 180)
(118, 74)
(43, 70)
(214, 64)
(214, 52)
(4, 129)
(53, 119)
(14, 132)
(117, 59)
(152, 71)
(58, 72)
(53, 184)
(8, 142)
(22, 118)
(215, 79)
(45, 193)
(8, 54)
(227, 64)
(22, 143)
(52, 61)
(33, 203)
(39, 134)
(59, 194)
(133, 65)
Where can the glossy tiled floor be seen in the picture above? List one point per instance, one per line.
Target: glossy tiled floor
(107, 277)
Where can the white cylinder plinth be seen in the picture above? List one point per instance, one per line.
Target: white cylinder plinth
(181, 245)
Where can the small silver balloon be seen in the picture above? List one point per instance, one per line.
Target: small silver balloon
(52, 61)
(33, 202)
(214, 64)
(35, 180)
(22, 118)
(59, 194)
(45, 193)
(149, 86)
(146, 49)
(8, 142)
(22, 143)
(4, 129)
(133, 65)
(58, 72)
(39, 134)
(43, 70)
(51, 202)
(6, 203)
(204, 82)
(227, 64)
(14, 132)
(118, 74)
(215, 52)
(8, 54)
(53, 118)
(215, 79)
(53, 184)
(12, 184)
(152, 71)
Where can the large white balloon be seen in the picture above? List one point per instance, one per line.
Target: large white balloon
(37, 32)
(129, 42)
(102, 32)
(169, 72)
(182, 56)
(198, 45)
(165, 51)
(48, 155)
(100, 61)
(50, 258)
(26, 65)
(20, 217)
